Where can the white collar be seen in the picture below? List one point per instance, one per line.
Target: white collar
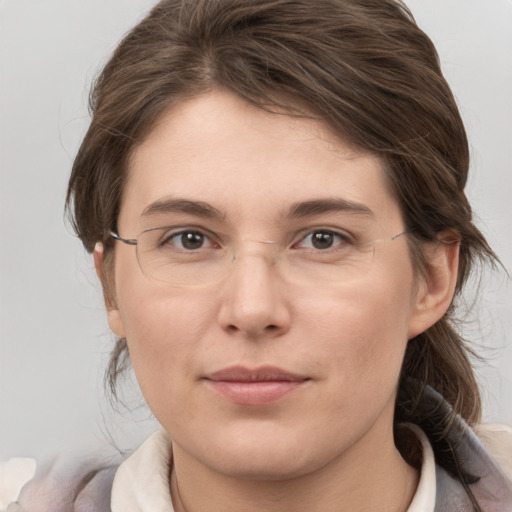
(425, 497)
(141, 483)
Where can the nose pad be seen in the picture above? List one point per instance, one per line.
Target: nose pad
(253, 302)
(275, 256)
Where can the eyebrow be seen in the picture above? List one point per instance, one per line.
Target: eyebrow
(296, 211)
(319, 206)
(197, 208)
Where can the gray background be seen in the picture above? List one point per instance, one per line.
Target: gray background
(54, 339)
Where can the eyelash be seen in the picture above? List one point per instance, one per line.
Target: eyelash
(336, 235)
(176, 236)
(341, 239)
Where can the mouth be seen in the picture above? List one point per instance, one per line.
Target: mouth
(257, 386)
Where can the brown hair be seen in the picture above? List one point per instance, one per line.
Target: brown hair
(363, 66)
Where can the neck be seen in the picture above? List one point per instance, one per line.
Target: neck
(359, 480)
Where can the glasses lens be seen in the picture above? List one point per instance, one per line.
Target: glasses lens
(190, 258)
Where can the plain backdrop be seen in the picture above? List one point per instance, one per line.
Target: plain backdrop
(54, 339)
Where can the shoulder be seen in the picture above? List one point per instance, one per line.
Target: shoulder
(62, 485)
(497, 439)
(89, 483)
(483, 454)
(14, 474)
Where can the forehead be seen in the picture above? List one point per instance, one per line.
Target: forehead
(217, 148)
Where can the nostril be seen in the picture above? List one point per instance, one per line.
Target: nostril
(269, 329)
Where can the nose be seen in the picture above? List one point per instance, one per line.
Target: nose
(254, 301)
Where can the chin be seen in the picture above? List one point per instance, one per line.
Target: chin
(268, 455)
(266, 467)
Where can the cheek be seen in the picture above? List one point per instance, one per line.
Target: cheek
(362, 330)
(164, 333)
(156, 320)
(169, 326)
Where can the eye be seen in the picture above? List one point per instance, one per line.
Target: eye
(188, 240)
(322, 239)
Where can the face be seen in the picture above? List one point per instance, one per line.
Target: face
(261, 371)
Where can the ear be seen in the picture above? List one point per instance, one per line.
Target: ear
(437, 285)
(114, 317)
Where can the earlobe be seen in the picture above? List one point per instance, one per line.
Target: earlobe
(437, 286)
(115, 322)
(113, 315)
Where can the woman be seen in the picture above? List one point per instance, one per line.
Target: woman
(273, 193)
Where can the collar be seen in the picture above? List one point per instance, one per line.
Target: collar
(141, 483)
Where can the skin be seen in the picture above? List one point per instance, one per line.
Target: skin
(327, 445)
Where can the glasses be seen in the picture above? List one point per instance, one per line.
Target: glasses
(191, 257)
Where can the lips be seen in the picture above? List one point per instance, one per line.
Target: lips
(257, 386)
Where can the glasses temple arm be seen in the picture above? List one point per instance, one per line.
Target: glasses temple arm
(129, 241)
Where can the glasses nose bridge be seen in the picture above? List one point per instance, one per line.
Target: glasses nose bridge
(254, 247)
(252, 268)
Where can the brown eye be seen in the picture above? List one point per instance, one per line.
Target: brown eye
(188, 240)
(321, 240)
